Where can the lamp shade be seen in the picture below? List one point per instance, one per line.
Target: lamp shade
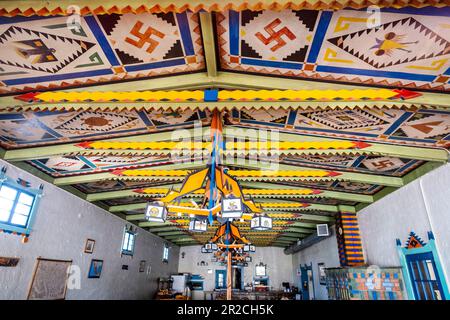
(197, 225)
(261, 222)
(156, 212)
(232, 208)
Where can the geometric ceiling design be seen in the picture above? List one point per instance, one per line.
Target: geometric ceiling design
(42, 128)
(44, 53)
(114, 48)
(411, 48)
(421, 127)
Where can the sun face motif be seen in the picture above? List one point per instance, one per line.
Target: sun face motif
(96, 122)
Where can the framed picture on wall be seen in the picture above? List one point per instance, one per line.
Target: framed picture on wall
(95, 270)
(89, 246)
(322, 275)
(49, 281)
(142, 266)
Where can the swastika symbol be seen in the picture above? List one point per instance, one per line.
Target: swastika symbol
(66, 164)
(144, 37)
(383, 164)
(275, 35)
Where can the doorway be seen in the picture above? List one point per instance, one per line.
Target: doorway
(307, 282)
(424, 276)
(221, 279)
(238, 278)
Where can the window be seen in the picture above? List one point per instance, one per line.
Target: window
(15, 206)
(128, 243)
(18, 204)
(166, 253)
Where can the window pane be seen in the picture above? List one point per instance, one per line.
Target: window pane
(5, 208)
(128, 243)
(431, 270)
(7, 192)
(4, 215)
(26, 199)
(19, 220)
(22, 209)
(125, 241)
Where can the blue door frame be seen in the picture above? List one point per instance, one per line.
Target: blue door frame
(425, 279)
(417, 262)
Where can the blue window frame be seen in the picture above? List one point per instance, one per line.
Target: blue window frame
(128, 243)
(18, 204)
(166, 253)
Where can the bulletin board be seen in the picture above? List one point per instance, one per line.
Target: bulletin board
(49, 280)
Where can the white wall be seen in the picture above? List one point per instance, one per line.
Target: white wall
(279, 265)
(63, 223)
(325, 251)
(420, 206)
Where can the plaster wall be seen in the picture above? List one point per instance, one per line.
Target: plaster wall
(63, 223)
(421, 206)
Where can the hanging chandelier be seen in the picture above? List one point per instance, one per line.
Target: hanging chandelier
(223, 199)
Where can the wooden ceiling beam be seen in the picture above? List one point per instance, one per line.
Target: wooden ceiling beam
(209, 45)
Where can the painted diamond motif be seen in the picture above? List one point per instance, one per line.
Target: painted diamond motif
(39, 51)
(65, 163)
(432, 126)
(97, 121)
(393, 43)
(346, 119)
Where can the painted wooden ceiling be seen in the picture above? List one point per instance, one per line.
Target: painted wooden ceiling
(242, 49)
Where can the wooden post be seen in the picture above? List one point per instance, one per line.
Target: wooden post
(229, 276)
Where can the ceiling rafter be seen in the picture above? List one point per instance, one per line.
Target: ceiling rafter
(230, 80)
(209, 45)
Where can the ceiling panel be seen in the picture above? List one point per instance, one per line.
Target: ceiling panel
(43, 52)
(409, 48)
(52, 127)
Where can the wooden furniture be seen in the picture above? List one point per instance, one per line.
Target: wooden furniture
(253, 295)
